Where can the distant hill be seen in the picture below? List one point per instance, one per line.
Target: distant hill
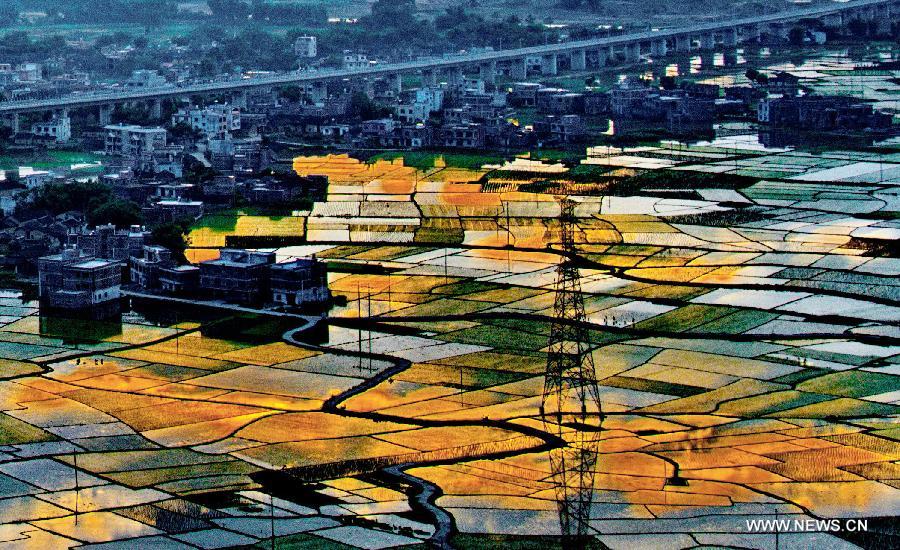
(655, 12)
(651, 12)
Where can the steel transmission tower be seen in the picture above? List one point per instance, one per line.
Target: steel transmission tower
(570, 408)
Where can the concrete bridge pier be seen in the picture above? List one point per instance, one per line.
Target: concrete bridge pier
(834, 20)
(604, 56)
(429, 78)
(106, 112)
(730, 58)
(396, 83)
(730, 37)
(518, 69)
(368, 85)
(550, 65)
(488, 72)
(239, 99)
(659, 48)
(633, 52)
(454, 76)
(683, 44)
(883, 18)
(156, 109)
(613, 57)
(707, 41)
(13, 122)
(779, 31)
(750, 33)
(578, 60)
(319, 92)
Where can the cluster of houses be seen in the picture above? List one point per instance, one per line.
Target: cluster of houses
(214, 155)
(822, 113)
(467, 113)
(163, 198)
(29, 80)
(24, 241)
(88, 275)
(151, 166)
(472, 115)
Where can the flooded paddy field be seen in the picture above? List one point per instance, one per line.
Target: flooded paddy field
(745, 342)
(741, 303)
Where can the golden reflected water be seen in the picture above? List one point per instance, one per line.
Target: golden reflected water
(701, 420)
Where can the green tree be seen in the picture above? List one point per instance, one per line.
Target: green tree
(291, 93)
(229, 11)
(579, 4)
(387, 10)
(257, 49)
(9, 15)
(197, 174)
(366, 109)
(80, 196)
(668, 82)
(173, 236)
(117, 212)
(797, 36)
(5, 135)
(755, 76)
(183, 130)
(858, 28)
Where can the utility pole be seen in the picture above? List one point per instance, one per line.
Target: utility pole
(359, 327)
(369, 315)
(77, 485)
(390, 301)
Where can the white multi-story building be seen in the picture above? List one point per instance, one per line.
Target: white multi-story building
(356, 61)
(306, 46)
(72, 280)
(214, 121)
(419, 107)
(33, 178)
(334, 130)
(29, 72)
(8, 202)
(59, 128)
(144, 78)
(133, 141)
(8, 74)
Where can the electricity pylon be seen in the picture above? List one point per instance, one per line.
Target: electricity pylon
(570, 407)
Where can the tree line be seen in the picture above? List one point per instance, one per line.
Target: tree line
(153, 13)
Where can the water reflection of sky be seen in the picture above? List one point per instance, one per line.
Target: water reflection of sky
(227, 406)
